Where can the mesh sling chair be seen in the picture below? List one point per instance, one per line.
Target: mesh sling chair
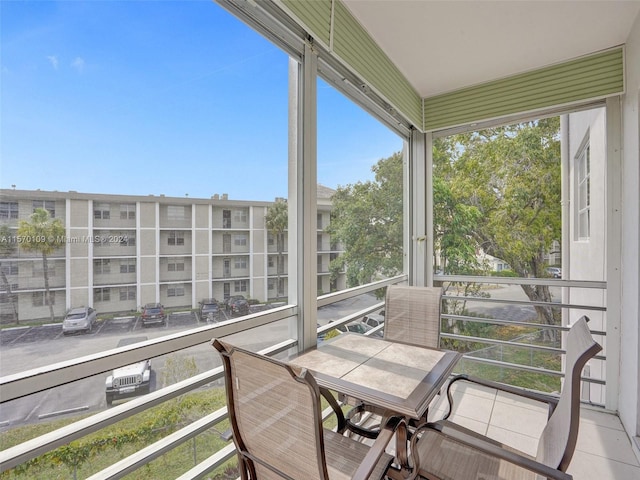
(444, 450)
(412, 315)
(276, 420)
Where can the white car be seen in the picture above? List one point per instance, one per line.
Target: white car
(373, 319)
(80, 319)
(130, 380)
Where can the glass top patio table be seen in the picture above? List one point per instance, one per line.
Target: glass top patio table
(393, 376)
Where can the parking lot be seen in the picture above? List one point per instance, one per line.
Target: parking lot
(104, 326)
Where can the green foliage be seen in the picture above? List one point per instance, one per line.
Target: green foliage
(107, 446)
(44, 235)
(508, 179)
(367, 219)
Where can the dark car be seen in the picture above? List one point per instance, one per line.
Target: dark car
(239, 306)
(209, 310)
(229, 300)
(153, 313)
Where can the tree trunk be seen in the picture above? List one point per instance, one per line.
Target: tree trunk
(12, 299)
(541, 293)
(279, 241)
(47, 292)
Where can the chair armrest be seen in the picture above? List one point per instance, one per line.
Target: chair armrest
(342, 424)
(487, 447)
(549, 400)
(378, 448)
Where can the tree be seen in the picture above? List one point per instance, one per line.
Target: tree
(366, 218)
(511, 175)
(44, 235)
(7, 250)
(277, 221)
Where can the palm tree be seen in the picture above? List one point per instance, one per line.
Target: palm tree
(42, 234)
(7, 250)
(277, 221)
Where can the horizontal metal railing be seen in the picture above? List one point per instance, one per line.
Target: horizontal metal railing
(496, 343)
(16, 386)
(13, 387)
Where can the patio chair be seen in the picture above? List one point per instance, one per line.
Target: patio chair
(412, 315)
(444, 450)
(276, 421)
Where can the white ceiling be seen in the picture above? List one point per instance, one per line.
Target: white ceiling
(442, 45)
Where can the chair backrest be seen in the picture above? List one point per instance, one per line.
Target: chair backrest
(558, 440)
(275, 416)
(412, 315)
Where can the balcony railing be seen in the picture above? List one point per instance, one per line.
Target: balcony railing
(479, 350)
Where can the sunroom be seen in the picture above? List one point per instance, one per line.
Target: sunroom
(430, 72)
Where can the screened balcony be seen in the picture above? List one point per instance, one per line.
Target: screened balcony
(349, 46)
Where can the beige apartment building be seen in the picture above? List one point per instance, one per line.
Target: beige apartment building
(124, 251)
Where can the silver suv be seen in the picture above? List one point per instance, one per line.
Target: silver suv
(80, 319)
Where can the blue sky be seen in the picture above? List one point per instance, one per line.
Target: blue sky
(159, 97)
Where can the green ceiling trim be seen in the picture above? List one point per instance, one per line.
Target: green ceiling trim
(586, 78)
(351, 43)
(315, 15)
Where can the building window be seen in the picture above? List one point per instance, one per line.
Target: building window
(240, 262)
(127, 293)
(127, 211)
(38, 269)
(10, 268)
(101, 294)
(271, 240)
(240, 285)
(226, 219)
(175, 291)
(38, 299)
(128, 266)
(175, 265)
(101, 211)
(240, 216)
(319, 221)
(175, 238)
(176, 212)
(48, 205)
(8, 210)
(240, 240)
(271, 261)
(102, 266)
(583, 164)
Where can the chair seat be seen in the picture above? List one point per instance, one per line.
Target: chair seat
(344, 455)
(442, 457)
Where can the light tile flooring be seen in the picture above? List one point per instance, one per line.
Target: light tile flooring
(603, 451)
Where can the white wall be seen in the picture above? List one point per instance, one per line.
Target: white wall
(587, 257)
(630, 329)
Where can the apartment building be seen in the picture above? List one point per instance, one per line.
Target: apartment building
(123, 251)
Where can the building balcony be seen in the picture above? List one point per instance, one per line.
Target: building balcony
(603, 446)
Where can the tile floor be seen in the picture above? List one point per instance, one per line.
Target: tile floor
(603, 451)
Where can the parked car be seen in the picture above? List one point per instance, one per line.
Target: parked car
(229, 300)
(153, 313)
(555, 272)
(355, 327)
(209, 310)
(80, 319)
(239, 306)
(373, 320)
(131, 380)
